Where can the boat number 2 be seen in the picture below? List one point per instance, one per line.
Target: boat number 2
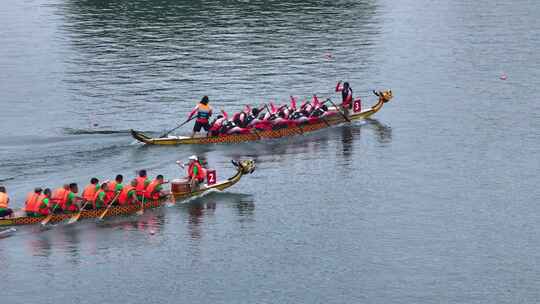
(357, 107)
(211, 177)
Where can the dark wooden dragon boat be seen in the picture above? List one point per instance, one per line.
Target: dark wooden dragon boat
(328, 121)
(179, 191)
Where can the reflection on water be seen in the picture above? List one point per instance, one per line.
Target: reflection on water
(383, 133)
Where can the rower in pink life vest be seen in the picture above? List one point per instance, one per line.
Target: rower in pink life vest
(346, 96)
(217, 124)
(204, 112)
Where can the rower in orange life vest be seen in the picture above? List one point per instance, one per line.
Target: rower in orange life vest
(128, 195)
(142, 183)
(100, 197)
(204, 112)
(40, 207)
(346, 96)
(155, 189)
(58, 196)
(69, 203)
(114, 187)
(4, 203)
(31, 200)
(90, 191)
(196, 173)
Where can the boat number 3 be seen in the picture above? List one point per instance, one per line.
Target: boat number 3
(357, 106)
(211, 177)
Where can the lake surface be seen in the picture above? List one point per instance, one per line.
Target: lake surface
(434, 200)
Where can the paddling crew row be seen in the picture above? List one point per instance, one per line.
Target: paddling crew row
(254, 118)
(95, 196)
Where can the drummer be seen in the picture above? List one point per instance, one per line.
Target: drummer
(195, 172)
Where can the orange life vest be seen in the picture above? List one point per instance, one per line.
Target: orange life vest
(64, 199)
(60, 196)
(89, 192)
(200, 171)
(111, 186)
(123, 197)
(36, 205)
(151, 188)
(140, 185)
(31, 200)
(4, 200)
(203, 113)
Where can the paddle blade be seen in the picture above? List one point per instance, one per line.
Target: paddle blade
(46, 220)
(74, 219)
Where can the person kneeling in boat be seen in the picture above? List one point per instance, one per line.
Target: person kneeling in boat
(195, 172)
(204, 112)
(4, 203)
(41, 206)
(155, 189)
(128, 195)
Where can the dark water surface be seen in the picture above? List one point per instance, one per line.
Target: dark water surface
(435, 200)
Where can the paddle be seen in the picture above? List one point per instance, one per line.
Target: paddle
(76, 217)
(140, 212)
(46, 220)
(108, 207)
(337, 109)
(178, 126)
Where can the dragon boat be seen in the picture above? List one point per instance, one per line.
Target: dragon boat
(180, 189)
(335, 118)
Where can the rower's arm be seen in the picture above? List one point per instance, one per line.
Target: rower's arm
(339, 88)
(192, 112)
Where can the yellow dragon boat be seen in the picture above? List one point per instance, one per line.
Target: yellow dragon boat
(336, 119)
(179, 191)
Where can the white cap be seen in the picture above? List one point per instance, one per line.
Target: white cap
(193, 157)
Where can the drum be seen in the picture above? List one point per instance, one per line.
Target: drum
(179, 186)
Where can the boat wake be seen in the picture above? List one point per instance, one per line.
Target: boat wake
(72, 131)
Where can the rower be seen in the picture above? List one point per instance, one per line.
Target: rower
(155, 188)
(58, 197)
(90, 191)
(203, 111)
(216, 125)
(31, 199)
(100, 198)
(115, 187)
(142, 183)
(4, 203)
(41, 206)
(346, 96)
(128, 195)
(195, 172)
(70, 201)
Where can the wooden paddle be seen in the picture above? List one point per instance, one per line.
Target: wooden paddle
(178, 126)
(46, 220)
(337, 109)
(76, 217)
(108, 207)
(141, 212)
